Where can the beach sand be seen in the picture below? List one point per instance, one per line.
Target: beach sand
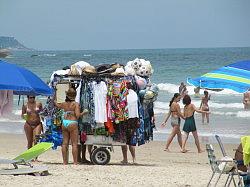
(155, 167)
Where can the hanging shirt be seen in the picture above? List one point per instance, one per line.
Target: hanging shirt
(100, 99)
(132, 102)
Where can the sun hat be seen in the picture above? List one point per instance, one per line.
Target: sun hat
(89, 69)
(71, 93)
(119, 71)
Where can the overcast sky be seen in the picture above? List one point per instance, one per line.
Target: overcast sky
(126, 24)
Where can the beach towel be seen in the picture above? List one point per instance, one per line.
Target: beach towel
(245, 141)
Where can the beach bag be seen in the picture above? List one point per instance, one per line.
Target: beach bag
(226, 166)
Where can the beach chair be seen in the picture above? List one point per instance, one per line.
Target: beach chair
(214, 163)
(25, 158)
(240, 164)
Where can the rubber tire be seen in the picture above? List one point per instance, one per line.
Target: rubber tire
(100, 156)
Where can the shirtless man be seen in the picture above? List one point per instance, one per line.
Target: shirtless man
(246, 100)
(183, 89)
(204, 106)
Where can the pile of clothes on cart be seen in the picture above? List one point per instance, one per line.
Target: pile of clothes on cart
(119, 100)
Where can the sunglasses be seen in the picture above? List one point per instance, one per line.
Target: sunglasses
(31, 97)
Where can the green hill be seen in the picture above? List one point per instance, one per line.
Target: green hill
(11, 43)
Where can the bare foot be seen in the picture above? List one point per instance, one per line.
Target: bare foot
(184, 150)
(167, 150)
(124, 162)
(201, 151)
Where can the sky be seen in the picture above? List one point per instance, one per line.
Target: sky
(126, 24)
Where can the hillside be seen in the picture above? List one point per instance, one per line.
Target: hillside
(11, 43)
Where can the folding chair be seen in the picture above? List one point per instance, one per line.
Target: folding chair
(214, 163)
(24, 159)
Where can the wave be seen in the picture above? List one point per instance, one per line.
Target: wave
(173, 88)
(48, 54)
(16, 131)
(162, 108)
(239, 114)
(11, 120)
(212, 105)
(204, 134)
(87, 55)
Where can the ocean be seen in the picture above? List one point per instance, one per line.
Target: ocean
(171, 66)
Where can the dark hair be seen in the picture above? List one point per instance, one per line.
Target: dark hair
(68, 99)
(186, 100)
(205, 92)
(28, 96)
(172, 100)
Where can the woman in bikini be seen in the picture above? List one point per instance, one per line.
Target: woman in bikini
(189, 125)
(176, 115)
(33, 125)
(204, 106)
(70, 125)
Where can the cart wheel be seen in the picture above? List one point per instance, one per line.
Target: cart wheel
(91, 153)
(100, 156)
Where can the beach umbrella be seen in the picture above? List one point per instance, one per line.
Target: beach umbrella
(21, 81)
(235, 76)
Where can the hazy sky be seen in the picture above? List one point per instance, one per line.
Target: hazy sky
(126, 24)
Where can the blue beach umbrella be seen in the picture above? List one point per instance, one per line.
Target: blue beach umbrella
(235, 76)
(21, 81)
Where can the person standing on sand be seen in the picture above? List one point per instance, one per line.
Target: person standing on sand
(189, 125)
(33, 125)
(175, 113)
(246, 100)
(204, 106)
(70, 125)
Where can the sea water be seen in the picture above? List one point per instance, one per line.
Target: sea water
(171, 66)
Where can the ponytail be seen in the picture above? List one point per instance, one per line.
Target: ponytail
(172, 100)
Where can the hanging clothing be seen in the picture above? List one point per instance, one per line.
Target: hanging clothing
(78, 93)
(100, 99)
(6, 102)
(132, 100)
(117, 93)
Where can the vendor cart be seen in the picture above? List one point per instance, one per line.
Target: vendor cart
(102, 145)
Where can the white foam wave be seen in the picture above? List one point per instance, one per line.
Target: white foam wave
(225, 105)
(49, 55)
(5, 131)
(204, 134)
(87, 55)
(173, 88)
(212, 105)
(243, 114)
(14, 117)
(162, 108)
(11, 120)
(17, 112)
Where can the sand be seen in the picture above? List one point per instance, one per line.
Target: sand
(155, 167)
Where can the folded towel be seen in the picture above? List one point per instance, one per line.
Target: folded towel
(245, 141)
